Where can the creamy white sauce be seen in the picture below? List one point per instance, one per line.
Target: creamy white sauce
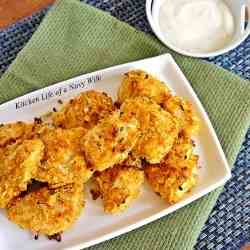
(196, 25)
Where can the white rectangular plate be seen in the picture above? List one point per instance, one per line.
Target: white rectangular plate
(94, 226)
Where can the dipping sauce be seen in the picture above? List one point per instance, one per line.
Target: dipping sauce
(196, 25)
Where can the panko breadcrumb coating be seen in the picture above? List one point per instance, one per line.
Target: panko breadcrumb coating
(183, 111)
(63, 161)
(139, 83)
(158, 127)
(18, 164)
(110, 142)
(169, 182)
(85, 110)
(146, 132)
(176, 174)
(48, 211)
(118, 187)
(133, 161)
(181, 155)
(12, 132)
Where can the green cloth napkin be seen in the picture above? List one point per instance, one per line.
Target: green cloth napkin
(75, 39)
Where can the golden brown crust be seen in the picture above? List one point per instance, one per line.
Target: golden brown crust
(13, 132)
(151, 134)
(170, 183)
(182, 155)
(63, 161)
(110, 141)
(85, 110)
(118, 187)
(158, 127)
(139, 83)
(176, 174)
(18, 164)
(48, 211)
(133, 161)
(183, 111)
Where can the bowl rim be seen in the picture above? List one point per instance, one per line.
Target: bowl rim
(185, 52)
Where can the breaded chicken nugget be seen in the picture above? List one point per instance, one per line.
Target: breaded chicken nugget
(170, 183)
(86, 110)
(63, 161)
(18, 164)
(140, 83)
(183, 110)
(158, 127)
(176, 174)
(12, 132)
(181, 155)
(110, 141)
(118, 187)
(48, 211)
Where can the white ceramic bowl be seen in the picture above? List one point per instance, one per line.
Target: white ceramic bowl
(238, 9)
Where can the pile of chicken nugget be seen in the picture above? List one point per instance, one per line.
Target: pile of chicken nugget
(145, 135)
